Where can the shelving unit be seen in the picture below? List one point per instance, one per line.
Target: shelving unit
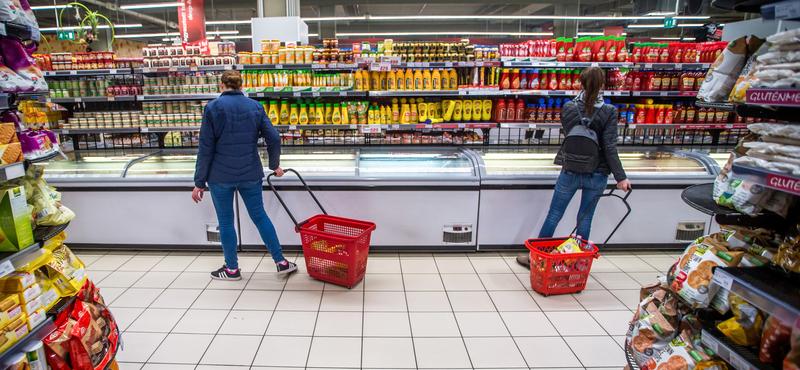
(770, 290)
(39, 332)
(89, 72)
(774, 180)
(739, 357)
(9, 261)
(671, 94)
(94, 99)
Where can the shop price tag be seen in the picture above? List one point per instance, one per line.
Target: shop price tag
(292, 127)
(193, 69)
(173, 69)
(73, 73)
(531, 125)
(462, 125)
(448, 64)
(110, 98)
(342, 93)
(15, 171)
(144, 130)
(462, 92)
(478, 64)
(729, 125)
(6, 268)
(297, 94)
(65, 132)
(395, 127)
(78, 100)
(112, 71)
(723, 280)
(710, 342)
(370, 129)
(663, 93)
(354, 127)
(315, 94)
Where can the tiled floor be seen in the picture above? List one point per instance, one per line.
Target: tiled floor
(441, 311)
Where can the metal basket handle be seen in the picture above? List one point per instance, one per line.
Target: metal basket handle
(280, 199)
(627, 212)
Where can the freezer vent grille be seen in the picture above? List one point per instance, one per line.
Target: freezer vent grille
(688, 231)
(457, 234)
(212, 233)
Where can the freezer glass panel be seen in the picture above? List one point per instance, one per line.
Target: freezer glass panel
(92, 166)
(504, 162)
(421, 163)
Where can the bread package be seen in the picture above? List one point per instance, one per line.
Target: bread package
(8, 133)
(723, 73)
(10, 153)
(694, 271)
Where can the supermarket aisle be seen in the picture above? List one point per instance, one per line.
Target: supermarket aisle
(450, 311)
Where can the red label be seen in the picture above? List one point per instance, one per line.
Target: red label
(774, 97)
(192, 24)
(784, 183)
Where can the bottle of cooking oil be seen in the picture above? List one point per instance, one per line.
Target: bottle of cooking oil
(426, 80)
(417, 80)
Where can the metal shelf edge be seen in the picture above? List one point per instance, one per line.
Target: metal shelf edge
(38, 333)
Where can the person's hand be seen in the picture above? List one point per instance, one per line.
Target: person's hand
(624, 185)
(197, 194)
(278, 172)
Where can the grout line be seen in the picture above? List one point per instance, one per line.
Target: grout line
(277, 302)
(408, 312)
(452, 311)
(316, 318)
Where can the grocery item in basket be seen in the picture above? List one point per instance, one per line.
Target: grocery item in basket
(744, 328)
(571, 245)
(693, 276)
(774, 341)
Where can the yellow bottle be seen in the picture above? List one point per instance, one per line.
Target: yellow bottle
(457, 111)
(448, 111)
(294, 114)
(405, 115)
(436, 80)
(417, 80)
(422, 110)
(426, 80)
(400, 80)
(273, 113)
(453, 79)
(284, 113)
(345, 116)
(412, 117)
(303, 117)
(437, 110)
(312, 114)
(359, 81)
(445, 80)
(328, 113)
(487, 110)
(466, 110)
(375, 80)
(384, 81)
(409, 85)
(391, 79)
(320, 114)
(371, 115)
(336, 115)
(395, 111)
(386, 114)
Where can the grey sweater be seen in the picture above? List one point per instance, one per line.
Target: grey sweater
(605, 124)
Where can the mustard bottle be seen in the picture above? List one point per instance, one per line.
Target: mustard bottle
(457, 111)
(417, 80)
(466, 110)
(383, 80)
(345, 116)
(375, 83)
(400, 83)
(405, 116)
(477, 110)
(385, 114)
(312, 114)
(487, 110)
(272, 113)
(436, 80)
(409, 79)
(412, 117)
(336, 115)
(328, 113)
(426, 80)
(422, 109)
(320, 114)
(445, 80)
(450, 105)
(284, 113)
(453, 79)
(371, 115)
(294, 115)
(390, 80)
(303, 117)
(359, 81)
(395, 111)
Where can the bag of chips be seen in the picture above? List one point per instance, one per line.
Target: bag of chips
(679, 354)
(744, 328)
(694, 271)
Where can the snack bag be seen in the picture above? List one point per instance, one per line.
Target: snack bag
(650, 330)
(774, 341)
(744, 328)
(694, 271)
(788, 255)
(571, 245)
(679, 354)
(723, 73)
(66, 271)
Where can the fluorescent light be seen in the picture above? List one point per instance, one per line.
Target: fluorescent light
(689, 38)
(146, 35)
(661, 13)
(447, 33)
(222, 23)
(692, 17)
(491, 17)
(334, 19)
(313, 35)
(151, 6)
(666, 38)
(645, 26)
(234, 37)
(49, 7)
(235, 32)
(690, 25)
(102, 27)
(595, 34)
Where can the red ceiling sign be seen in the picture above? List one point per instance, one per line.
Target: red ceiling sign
(192, 24)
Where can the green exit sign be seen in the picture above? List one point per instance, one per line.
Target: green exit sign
(66, 35)
(670, 22)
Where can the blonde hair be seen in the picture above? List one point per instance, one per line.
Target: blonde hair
(232, 80)
(592, 81)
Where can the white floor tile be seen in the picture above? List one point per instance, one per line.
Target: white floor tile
(564, 302)
(231, 285)
(110, 262)
(136, 297)
(139, 346)
(384, 282)
(140, 263)
(232, 350)
(153, 366)
(386, 324)
(496, 265)
(300, 300)
(120, 279)
(200, 321)
(111, 294)
(418, 266)
(517, 300)
(441, 353)
(631, 263)
(599, 300)
(176, 298)
(422, 282)
(592, 284)
(174, 263)
(129, 365)
(501, 282)
(434, 324)
(614, 322)
(597, 351)
(342, 301)
(158, 279)
(221, 367)
(339, 324)
(383, 266)
(182, 348)
(616, 280)
(455, 282)
(335, 352)
(157, 320)
(125, 316)
(661, 263)
(470, 301)
(575, 323)
(301, 281)
(216, 299)
(98, 276)
(260, 300)
(246, 323)
(645, 278)
(283, 351)
(546, 352)
(385, 301)
(206, 264)
(428, 301)
(629, 297)
(494, 353)
(516, 267)
(454, 265)
(394, 353)
(604, 265)
(528, 324)
(191, 280)
(266, 281)
(292, 323)
(481, 324)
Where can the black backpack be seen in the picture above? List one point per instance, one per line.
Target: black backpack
(581, 149)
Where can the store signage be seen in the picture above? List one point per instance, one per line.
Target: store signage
(66, 35)
(192, 24)
(785, 97)
(670, 22)
(785, 183)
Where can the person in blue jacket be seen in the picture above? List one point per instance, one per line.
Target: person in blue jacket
(228, 162)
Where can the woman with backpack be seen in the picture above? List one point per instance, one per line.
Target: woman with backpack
(587, 156)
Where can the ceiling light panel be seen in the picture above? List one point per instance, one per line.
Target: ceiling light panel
(151, 6)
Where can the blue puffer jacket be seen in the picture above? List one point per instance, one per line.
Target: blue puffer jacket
(229, 136)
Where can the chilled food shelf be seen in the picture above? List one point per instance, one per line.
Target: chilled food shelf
(771, 290)
(774, 97)
(93, 99)
(184, 69)
(739, 357)
(89, 72)
(774, 180)
(673, 66)
(9, 261)
(38, 333)
(32, 95)
(664, 93)
(552, 64)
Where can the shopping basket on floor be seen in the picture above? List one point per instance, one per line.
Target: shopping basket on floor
(335, 248)
(565, 273)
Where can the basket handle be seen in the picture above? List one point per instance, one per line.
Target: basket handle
(627, 212)
(280, 199)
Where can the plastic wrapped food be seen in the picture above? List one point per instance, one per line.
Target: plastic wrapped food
(788, 255)
(778, 57)
(15, 57)
(744, 328)
(776, 129)
(680, 354)
(693, 279)
(774, 341)
(769, 165)
(46, 201)
(786, 37)
(653, 325)
(571, 245)
(773, 149)
(745, 79)
(725, 70)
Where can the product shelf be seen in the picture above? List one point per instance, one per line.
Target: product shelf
(315, 66)
(417, 93)
(12, 171)
(673, 94)
(486, 63)
(374, 128)
(93, 99)
(673, 66)
(84, 131)
(306, 94)
(89, 72)
(690, 126)
(176, 97)
(768, 288)
(783, 10)
(727, 107)
(739, 357)
(529, 125)
(38, 333)
(699, 197)
(553, 64)
(44, 233)
(19, 31)
(774, 180)
(43, 158)
(183, 69)
(9, 260)
(145, 130)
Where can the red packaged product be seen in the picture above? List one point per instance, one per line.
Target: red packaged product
(664, 57)
(629, 80)
(561, 49)
(636, 55)
(520, 114)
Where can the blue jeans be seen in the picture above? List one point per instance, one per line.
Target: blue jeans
(250, 191)
(591, 185)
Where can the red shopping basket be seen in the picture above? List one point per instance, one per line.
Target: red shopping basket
(565, 273)
(335, 248)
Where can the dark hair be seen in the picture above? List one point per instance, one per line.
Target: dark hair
(592, 80)
(232, 80)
